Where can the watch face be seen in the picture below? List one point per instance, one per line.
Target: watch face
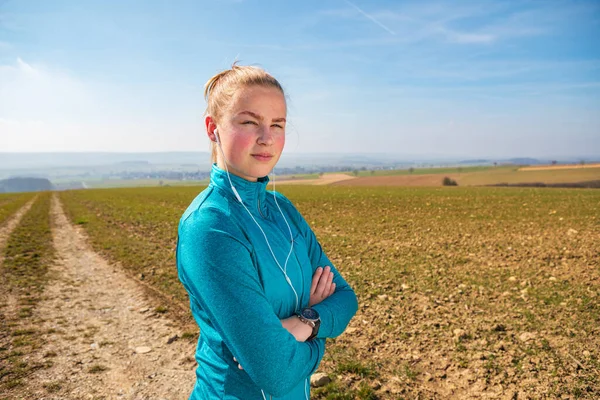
(310, 313)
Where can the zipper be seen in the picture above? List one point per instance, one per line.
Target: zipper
(259, 210)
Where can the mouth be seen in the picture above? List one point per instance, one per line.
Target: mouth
(263, 156)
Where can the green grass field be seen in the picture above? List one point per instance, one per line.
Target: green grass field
(23, 273)
(476, 176)
(461, 290)
(11, 202)
(296, 176)
(503, 175)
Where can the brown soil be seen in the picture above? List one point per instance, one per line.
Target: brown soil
(98, 321)
(550, 167)
(326, 179)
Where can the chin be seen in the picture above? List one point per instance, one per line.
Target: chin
(262, 172)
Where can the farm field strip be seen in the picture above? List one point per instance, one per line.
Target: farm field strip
(474, 177)
(461, 290)
(135, 228)
(23, 272)
(529, 176)
(559, 166)
(432, 170)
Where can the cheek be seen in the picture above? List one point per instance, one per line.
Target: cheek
(242, 142)
(280, 141)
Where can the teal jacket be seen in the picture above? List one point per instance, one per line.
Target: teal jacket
(238, 294)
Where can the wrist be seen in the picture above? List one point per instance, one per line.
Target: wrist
(304, 330)
(310, 317)
(297, 328)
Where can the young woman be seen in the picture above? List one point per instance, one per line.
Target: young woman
(263, 292)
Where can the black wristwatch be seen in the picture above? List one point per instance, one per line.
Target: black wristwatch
(311, 317)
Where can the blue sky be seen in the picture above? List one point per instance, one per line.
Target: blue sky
(456, 79)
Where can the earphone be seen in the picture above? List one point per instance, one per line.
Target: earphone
(237, 195)
(284, 269)
(239, 198)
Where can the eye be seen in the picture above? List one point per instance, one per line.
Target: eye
(278, 126)
(249, 123)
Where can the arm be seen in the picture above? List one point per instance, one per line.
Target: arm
(215, 265)
(337, 310)
(321, 288)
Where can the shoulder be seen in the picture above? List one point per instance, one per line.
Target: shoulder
(204, 199)
(209, 212)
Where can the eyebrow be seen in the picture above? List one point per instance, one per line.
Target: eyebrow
(260, 117)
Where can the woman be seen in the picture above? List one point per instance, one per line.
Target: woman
(261, 289)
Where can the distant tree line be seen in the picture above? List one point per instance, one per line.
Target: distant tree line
(13, 185)
(167, 175)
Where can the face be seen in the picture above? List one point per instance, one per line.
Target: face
(251, 131)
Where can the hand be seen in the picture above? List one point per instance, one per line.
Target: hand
(322, 286)
(239, 365)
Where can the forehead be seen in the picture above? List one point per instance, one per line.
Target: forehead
(259, 99)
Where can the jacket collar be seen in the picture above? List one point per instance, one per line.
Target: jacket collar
(253, 194)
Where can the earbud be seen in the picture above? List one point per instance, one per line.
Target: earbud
(217, 136)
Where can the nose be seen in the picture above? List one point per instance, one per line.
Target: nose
(265, 136)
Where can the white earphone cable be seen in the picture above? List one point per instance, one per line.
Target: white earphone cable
(284, 269)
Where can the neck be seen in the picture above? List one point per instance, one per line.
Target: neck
(226, 167)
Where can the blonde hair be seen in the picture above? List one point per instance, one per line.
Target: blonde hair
(220, 89)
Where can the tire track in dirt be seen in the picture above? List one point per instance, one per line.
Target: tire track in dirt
(107, 341)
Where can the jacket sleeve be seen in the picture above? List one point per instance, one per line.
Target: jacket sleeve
(337, 310)
(215, 264)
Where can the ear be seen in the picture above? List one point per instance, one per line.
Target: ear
(211, 125)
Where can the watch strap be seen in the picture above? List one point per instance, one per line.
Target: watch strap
(315, 330)
(315, 324)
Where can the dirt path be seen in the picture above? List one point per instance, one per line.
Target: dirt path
(107, 341)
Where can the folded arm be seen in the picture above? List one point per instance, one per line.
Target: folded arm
(337, 310)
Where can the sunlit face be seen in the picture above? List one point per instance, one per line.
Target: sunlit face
(251, 131)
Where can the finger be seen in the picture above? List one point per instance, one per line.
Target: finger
(327, 290)
(320, 291)
(315, 280)
(332, 289)
(239, 365)
(331, 276)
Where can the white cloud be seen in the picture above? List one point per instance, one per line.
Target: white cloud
(33, 92)
(44, 109)
(27, 68)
